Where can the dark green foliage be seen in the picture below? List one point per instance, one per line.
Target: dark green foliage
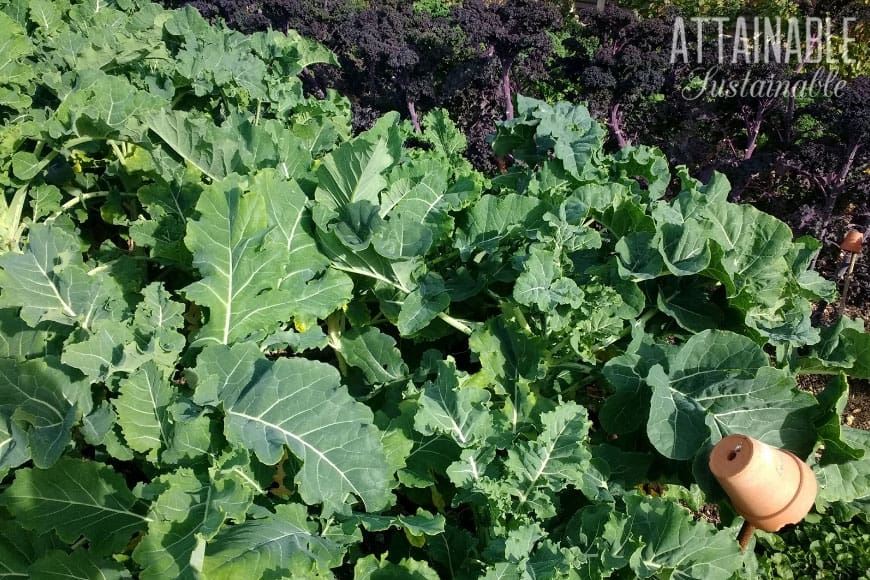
(821, 549)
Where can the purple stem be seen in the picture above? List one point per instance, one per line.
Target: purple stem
(615, 125)
(412, 110)
(506, 91)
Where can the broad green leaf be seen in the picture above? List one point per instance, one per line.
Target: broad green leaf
(504, 571)
(675, 545)
(647, 163)
(301, 404)
(406, 235)
(20, 548)
(50, 276)
(142, 409)
(440, 132)
(80, 565)
(194, 434)
(639, 258)
(755, 246)
(420, 308)
(842, 347)
(45, 15)
(222, 373)
(511, 358)
(429, 456)
(107, 107)
(353, 224)
(13, 446)
(21, 342)
(416, 208)
(192, 506)
(847, 482)
(45, 200)
(43, 402)
(241, 266)
(275, 543)
(198, 141)
(374, 353)
(317, 290)
(26, 165)
(534, 287)
(493, 219)
(833, 401)
(689, 304)
(76, 498)
(11, 226)
(521, 541)
(97, 424)
(352, 173)
(422, 523)
(368, 263)
(168, 207)
(720, 383)
(14, 69)
(684, 247)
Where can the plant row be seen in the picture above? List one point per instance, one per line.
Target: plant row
(801, 155)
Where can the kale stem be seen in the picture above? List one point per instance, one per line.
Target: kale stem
(334, 324)
(455, 323)
(118, 153)
(76, 142)
(82, 198)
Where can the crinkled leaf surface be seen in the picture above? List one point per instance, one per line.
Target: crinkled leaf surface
(192, 506)
(555, 460)
(458, 411)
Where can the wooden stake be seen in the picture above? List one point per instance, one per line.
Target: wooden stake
(745, 535)
(847, 282)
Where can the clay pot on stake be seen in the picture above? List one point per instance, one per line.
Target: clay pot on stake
(769, 487)
(852, 246)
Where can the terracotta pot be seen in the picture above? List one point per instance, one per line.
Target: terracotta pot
(852, 242)
(769, 487)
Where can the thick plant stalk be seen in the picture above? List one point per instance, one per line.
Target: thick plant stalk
(415, 119)
(506, 88)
